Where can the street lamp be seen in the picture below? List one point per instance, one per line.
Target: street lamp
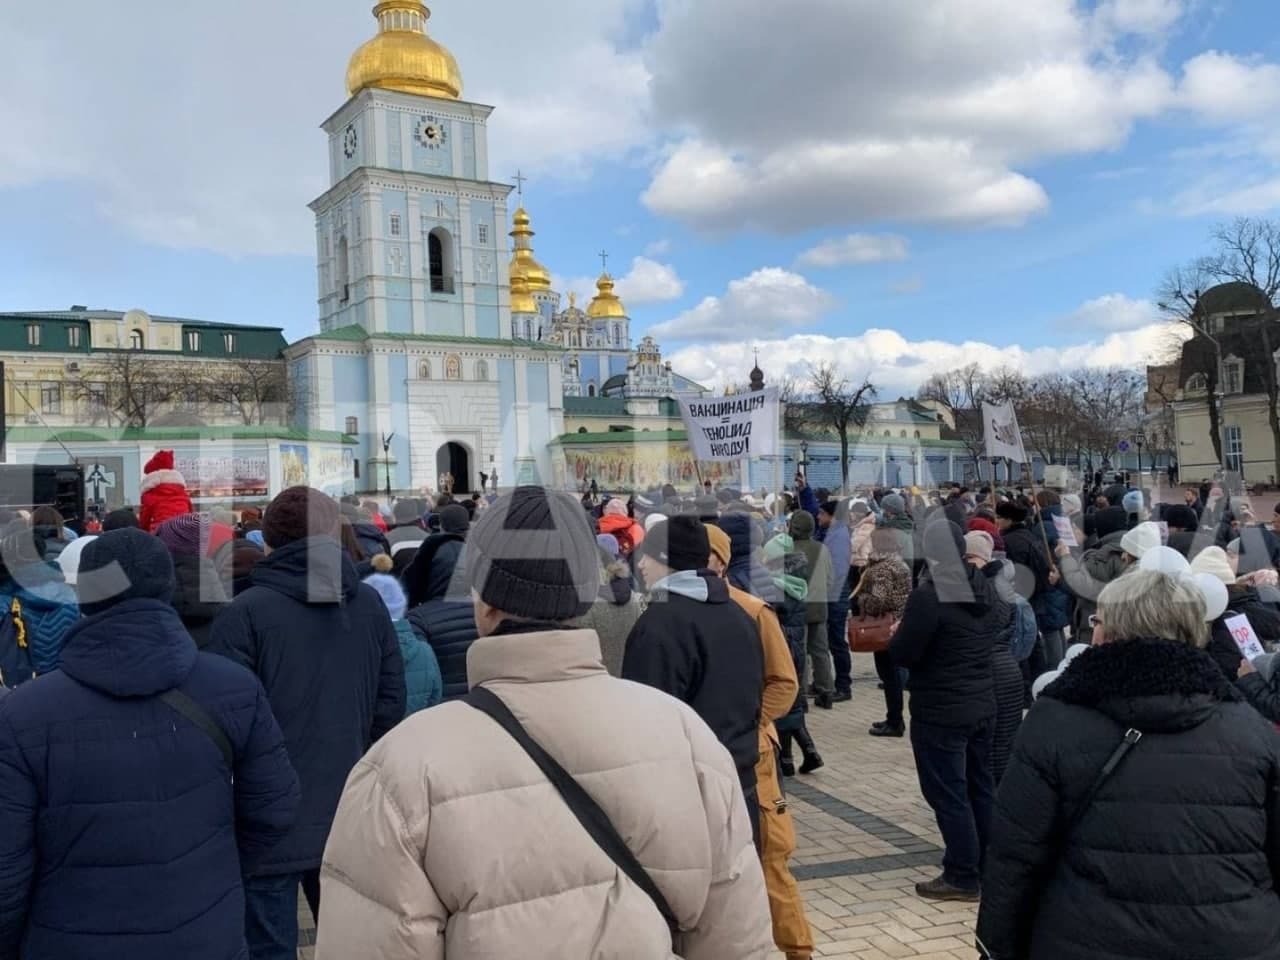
(1139, 439)
(804, 459)
(386, 461)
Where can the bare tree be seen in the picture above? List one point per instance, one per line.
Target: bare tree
(257, 390)
(1049, 412)
(963, 391)
(1111, 407)
(131, 389)
(1246, 250)
(840, 404)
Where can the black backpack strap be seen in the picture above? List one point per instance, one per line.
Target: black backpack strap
(180, 702)
(1130, 740)
(589, 813)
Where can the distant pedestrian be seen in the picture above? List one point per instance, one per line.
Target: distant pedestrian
(883, 591)
(818, 562)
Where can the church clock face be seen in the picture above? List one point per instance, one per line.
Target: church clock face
(350, 142)
(431, 133)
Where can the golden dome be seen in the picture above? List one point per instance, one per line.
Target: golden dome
(523, 263)
(402, 57)
(521, 299)
(606, 304)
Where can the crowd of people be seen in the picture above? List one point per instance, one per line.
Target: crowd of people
(205, 715)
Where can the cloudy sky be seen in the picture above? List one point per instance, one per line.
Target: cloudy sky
(903, 187)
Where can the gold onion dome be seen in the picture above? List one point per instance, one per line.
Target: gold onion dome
(402, 57)
(523, 264)
(521, 299)
(606, 304)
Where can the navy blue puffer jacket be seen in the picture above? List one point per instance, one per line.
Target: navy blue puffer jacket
(323, 645)
(450, 627)
(123, 835)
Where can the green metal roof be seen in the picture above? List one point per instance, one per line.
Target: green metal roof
(357, 334)
(614, 407)
(167, 434)
(624, 436)
(251, 342)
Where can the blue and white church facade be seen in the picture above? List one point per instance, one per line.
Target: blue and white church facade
(440, 349)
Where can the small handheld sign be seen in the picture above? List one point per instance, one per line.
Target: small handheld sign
(1246, 639)
(1066, 532)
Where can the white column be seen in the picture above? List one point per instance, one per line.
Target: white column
(455, 146)
(467, 253)
(407, 124)
(380, 151)
(482, 151)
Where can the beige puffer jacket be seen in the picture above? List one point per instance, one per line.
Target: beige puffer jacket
(450, 843)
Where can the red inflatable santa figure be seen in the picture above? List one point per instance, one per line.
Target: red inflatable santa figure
(164, 492)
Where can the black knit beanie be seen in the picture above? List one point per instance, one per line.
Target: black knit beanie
(533, 554)
(680, 543)
(122, 565)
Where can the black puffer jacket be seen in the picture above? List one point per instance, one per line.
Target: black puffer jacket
(1178, 854)
(450, 627)
(946, 644)
(433, 566)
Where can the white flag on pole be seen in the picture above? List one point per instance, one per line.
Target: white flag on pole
(1000, 429)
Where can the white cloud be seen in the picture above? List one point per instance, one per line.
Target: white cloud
(1223, 87)
(650, 282)
(857, 248)
(907, 285)
(658, 248)
(938, 181)
(211, 142)
(769, 302)
(897, 366)
(1112, 312)
(1139, 16)
(934, 112)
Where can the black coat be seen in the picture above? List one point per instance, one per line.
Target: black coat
(1179, 853)
(198, 595)
(946, 644)
(324, 647)
(1025, 547)
(706, 653)
(124, 835)
(449, 626)
(427, 577)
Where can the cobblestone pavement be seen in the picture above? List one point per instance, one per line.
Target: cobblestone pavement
(864, 838)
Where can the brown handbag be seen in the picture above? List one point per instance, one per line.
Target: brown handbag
(869, 634)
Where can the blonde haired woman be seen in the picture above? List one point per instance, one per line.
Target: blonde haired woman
(1139, 817)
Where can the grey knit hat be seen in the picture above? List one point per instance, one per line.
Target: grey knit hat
(533, 554)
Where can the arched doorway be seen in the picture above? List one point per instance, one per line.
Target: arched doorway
(454, 460)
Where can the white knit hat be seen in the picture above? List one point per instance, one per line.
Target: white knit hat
(1143, 537)
(1213, 561)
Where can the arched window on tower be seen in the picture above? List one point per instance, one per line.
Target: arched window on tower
(440, 260)
(344, 271)
(453, 367)
(482, 370)
(424, 370)
(591, 390)
(136, 340)
(617, 334)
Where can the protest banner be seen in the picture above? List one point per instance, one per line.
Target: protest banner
(732, 428)
(1246, 638)
(1001, 432)
(1066, 532)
